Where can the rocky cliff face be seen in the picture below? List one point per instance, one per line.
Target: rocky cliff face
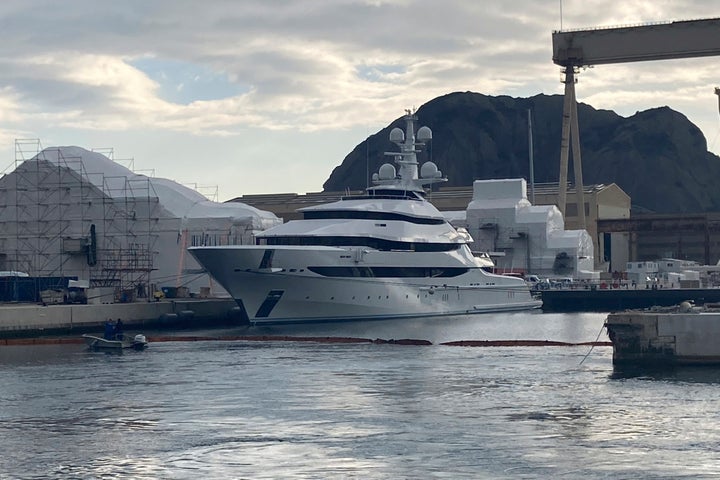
(657, 156)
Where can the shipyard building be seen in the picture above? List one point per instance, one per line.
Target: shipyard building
(67, 213)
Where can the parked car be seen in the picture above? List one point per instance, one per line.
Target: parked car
(566, 282)
(537, 283)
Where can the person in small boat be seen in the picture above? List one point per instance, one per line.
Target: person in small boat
(118, 329)
(109, 329)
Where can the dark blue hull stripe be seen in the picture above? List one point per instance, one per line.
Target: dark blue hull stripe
(269, 303)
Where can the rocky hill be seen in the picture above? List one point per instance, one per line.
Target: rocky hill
(657, 156)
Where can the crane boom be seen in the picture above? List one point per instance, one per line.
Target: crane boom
(656, 41)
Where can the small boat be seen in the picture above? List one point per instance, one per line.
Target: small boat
(119, 342)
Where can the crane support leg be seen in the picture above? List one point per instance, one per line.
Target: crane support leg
(565, 143)
(577, 162)
(571, 132)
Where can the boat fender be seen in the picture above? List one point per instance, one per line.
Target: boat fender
(686, 307)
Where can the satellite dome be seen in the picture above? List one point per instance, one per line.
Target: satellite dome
(387, 171)
(397, 135)
(424, 134)
(430, 170)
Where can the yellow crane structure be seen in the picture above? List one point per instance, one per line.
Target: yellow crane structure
(574, 49)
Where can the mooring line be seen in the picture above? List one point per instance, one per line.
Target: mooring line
(592, 345)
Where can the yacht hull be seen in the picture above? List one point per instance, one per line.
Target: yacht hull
(282, 288)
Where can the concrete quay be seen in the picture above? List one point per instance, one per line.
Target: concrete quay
(31, 320)
(683, 335)
(620, 299)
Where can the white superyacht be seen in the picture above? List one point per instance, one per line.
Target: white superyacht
(386, 254)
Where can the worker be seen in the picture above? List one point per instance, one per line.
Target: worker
(109, 329)
(118, 329)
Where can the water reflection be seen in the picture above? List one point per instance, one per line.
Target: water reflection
(534, 325)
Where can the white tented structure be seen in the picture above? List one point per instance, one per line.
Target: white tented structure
(70, 212)
(525, 238)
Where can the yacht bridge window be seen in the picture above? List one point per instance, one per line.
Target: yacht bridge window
(389, 193)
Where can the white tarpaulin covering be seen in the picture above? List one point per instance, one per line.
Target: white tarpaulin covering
(531, 238)
(118, 181)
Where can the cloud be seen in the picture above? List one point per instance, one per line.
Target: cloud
(221, 68)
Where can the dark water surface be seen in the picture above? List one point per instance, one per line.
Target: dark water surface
(283, 410)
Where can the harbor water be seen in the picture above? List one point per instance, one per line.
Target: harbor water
(312, 410)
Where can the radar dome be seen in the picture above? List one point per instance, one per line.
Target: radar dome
(424, 134)
(387, 171)
(430, 170)
(397, 135)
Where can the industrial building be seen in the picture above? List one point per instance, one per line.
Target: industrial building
(688, 236)
(70, 213)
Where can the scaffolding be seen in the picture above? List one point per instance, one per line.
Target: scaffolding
(59, 220)
(211, 192)
(130, 218)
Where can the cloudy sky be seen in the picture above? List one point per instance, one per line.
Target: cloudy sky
(268, 96)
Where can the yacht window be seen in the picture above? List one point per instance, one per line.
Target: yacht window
(375, 243)
(363, 215)
(383, 272)
(391, 193)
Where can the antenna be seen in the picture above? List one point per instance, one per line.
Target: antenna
(561, 15)
(367, 157)
(531, 159)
